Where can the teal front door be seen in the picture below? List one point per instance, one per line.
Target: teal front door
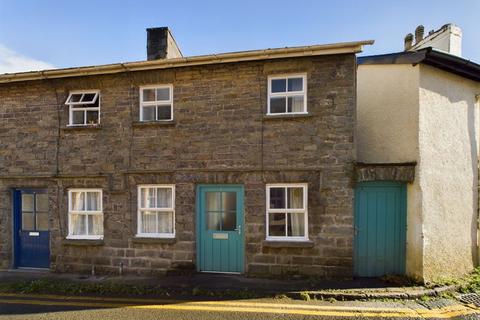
(380, 228)
(220, 228)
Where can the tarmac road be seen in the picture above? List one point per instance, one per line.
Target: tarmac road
(15, 306)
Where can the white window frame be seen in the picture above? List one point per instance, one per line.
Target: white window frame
(303, 210)
(140, 209)
(287, 94)
(156, 103)
(84, 212)
(85, 109)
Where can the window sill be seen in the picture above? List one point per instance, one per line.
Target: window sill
(81, 128)
(153, 240)
(286, 116)
(83, 242)
(142, 124)
(288, 244)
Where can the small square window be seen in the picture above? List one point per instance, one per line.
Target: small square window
(287, 95)
(84, 108)
(156, 211)
(287, 212)
(85, 214)
(156, 103)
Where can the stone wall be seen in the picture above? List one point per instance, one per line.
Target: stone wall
(220, 134)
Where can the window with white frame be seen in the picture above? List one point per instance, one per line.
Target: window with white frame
(287, 217)
(85, 214)
(84, 108)
(156, 211)
(287, 94)
(156, 103)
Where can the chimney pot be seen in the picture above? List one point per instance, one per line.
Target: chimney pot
(419, 33)
(408, 41)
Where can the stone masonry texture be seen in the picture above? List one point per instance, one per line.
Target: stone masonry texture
(220, 135)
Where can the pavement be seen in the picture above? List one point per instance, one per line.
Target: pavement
(272, 299)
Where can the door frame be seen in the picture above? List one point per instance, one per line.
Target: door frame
(198, 209)
(16, 197)
(403, 206)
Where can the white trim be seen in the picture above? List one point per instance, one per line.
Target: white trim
(84, 212)
(156, 103)
(303, 210)
(73, 106)
(168, 210)
(287, 93)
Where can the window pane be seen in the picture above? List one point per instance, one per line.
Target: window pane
(295, 104)
(42, 221)
(279, 85)
(278, 105)
(213, 201)
(229, 201)
(27, 202)
(163, 94)
(165, 222)
(164, 112)
(295, 84)
(148, 113)
(78, 117)
(78, 201)
(276, 224)
(296, 224)
(88, 97)
(149, 222)
(93, 201)
(213, 220)
(79, 226)
(229, 220)
(27, 221)
(164, 198)
(95, 224)
(41, 201)
(148, 198)
(75, 97)
(295, 198)
(92, 117)
(277, 198)
(148, 95)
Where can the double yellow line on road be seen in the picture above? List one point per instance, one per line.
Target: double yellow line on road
(238, 306)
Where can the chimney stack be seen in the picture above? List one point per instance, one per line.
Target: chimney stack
(161, 44)
(419, 34)
(408, 41)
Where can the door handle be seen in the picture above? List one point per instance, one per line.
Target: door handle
(239, 229)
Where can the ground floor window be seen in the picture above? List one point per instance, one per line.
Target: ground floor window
(156, 211)
(287, 217)
(85, 214)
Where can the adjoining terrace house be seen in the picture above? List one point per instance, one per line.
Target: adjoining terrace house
(417, 151)
(239, 162)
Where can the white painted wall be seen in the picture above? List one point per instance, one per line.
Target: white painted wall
(447, 172)
(387, 113)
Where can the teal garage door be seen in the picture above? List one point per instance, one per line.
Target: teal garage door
(380, 228)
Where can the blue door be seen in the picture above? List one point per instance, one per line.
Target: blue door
(380, 228)
(31, 231)
(220, 228)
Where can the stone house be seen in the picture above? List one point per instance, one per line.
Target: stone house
(239, 162)
(417, 152)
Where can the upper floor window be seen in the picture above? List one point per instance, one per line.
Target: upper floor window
(156, 211)
(287, 94)
(85, 214)
(287, 217)
(156, 103)
(84, 108)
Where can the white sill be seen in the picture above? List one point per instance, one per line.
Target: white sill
(84, 237)
(155, 235)
(287, 239)
(287, 113)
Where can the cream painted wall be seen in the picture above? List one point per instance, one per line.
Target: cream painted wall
(387, 113)
(447, 172)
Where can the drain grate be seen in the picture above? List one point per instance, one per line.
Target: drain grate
(471, 298)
